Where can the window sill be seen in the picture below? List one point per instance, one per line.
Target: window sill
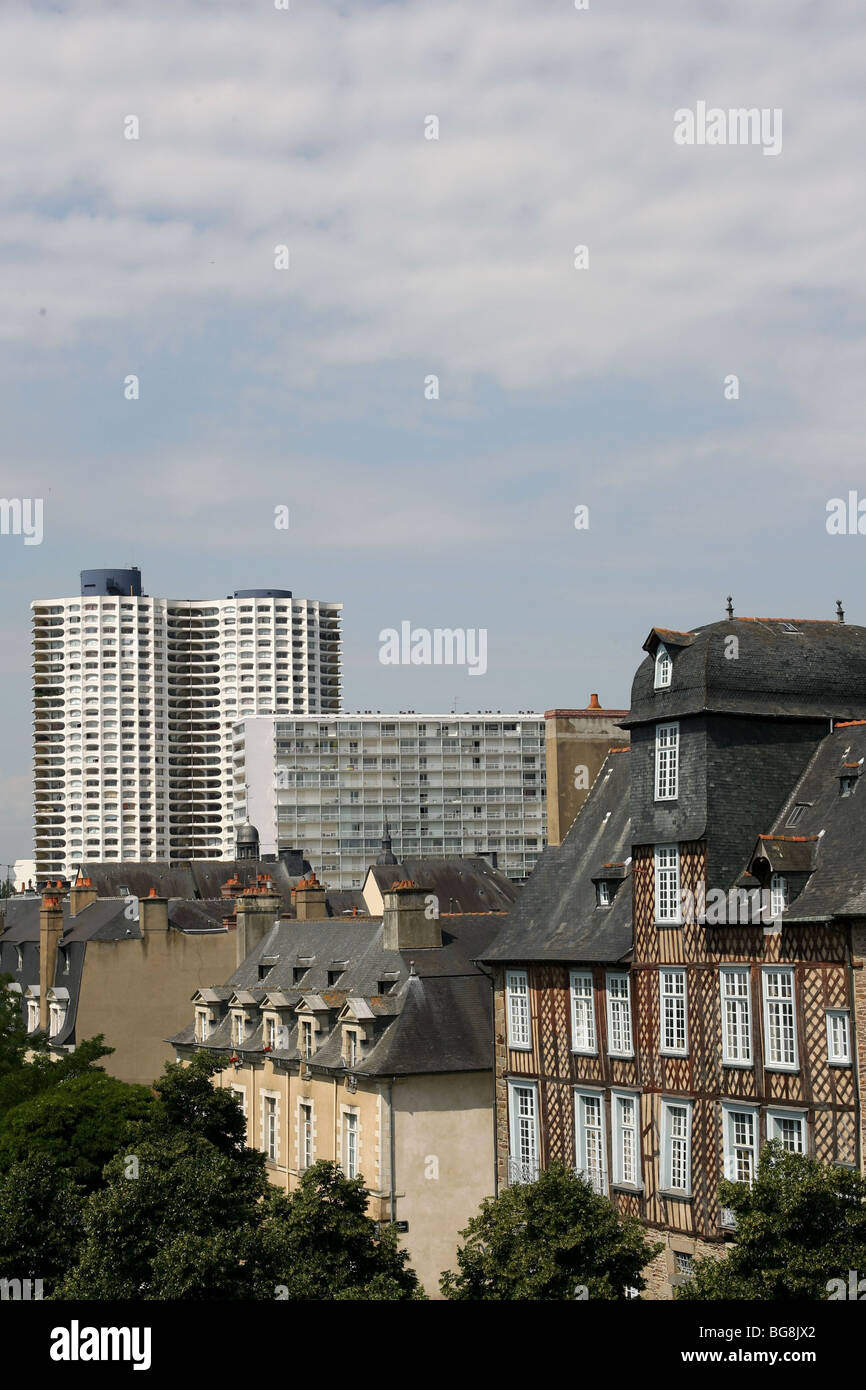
(843, 1065)
(675, 1196)
(519, 1047)
(583, 1052)
(666, 923)
(781, 1067)
(667, 1053)
(738, 1066)
(631, 1188)
(620, 1056)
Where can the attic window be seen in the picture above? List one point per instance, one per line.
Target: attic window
(298, 973)
(334, 975)
(663, 668)
(790, 628)
(602, 893)
(385, 986)
(796, 813)
(847, 785)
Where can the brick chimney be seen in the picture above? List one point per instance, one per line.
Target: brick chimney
(81, 895)
(50, 928)
(310, 900)
(258, 907)
(405, 919)
(153, 913)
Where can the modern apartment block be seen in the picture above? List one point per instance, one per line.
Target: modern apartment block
(135, 699)
(458, 784)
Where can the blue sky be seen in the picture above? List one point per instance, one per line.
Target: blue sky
(410, 257)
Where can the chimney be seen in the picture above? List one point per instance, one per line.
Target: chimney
(405, 921)
(258, 907)
(153, 913)
(50, 928)
(310, 900)
(593, 702)
(81, 895)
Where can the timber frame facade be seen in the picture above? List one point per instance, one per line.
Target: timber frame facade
(743, 1024)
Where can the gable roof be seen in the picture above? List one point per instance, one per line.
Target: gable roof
(557, 916)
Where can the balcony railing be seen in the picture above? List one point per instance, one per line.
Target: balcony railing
(522, 1170)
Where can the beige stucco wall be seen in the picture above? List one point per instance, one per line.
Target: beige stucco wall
(138, 992)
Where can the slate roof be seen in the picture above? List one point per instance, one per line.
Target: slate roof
(817, 671)
(462, 884)
(556, 916)
(436, 1015)
(186, 878)
(830, 831)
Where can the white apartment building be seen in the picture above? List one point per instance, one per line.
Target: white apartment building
(458, 784)
(134, 703)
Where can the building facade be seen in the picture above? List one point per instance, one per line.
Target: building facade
(450, 785)
(134, 702)
(576, 745)
(682, 979)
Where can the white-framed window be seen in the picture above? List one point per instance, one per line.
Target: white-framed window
(667, 761)
(56, 1018)
(306, 1040)
(350, 1143)
(589, 1139)
(780, 1024)
(778, 894)
(619, 1031)
(626, 1138)
(270, 1124)
(32, 1015)
(305, 1135)
(602, 893)
(522, 1131)
(667, 887)
(676, 1147)
(789, 1127)
(271, 1032)
(838, 1037)
(202, 1025)
(583, 1038)
(663, 668)
(352, 1048)
(517, 1009)
(238, 1029)
(736, 1016)
(674, 1026)
(740, 1138)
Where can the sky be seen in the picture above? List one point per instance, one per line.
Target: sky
(559, 386)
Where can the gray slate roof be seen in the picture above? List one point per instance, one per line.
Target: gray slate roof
(556, 917)
(469, 884)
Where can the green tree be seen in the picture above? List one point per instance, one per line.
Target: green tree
(800, 1224)
(15, 1042)
(41, 1212)
(548, 1240)
(79, 1124)
(319, 1243)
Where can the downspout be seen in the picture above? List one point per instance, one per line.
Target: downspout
(855, 1052)
(492, 978)
(393, 1149)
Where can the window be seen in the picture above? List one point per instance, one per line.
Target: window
(523, 1132)
(740, 1135)
(305, 1135)
(271, 1127)
(736, 1017)
(778, 894)
(667, 761)
(838, 1037)
(350, 1144)
(667, 889)
(789, 1128)
(32, 1014)
(780, 1031)
(271, 1032)
(619, 1036)
(239, 1030)
(847, 786)
(683, 1263)
(626, 1145)
(676, 1157)
(202, 1027)
(306, 1037)
(353, 1051)
(663, 668)
(602, 893)
(589, 1139)
(517, 1006)
(674, 1038)
(582, 1012)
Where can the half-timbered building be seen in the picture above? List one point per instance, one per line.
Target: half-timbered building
(682, 978)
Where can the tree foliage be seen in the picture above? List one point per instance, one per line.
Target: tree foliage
(547, 1240)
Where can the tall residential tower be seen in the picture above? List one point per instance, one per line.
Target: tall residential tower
(134, 702)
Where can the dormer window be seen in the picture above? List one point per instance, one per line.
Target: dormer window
(333, 976)
(602, 893)
(56, 1018)
(271, 1032)
(663, 668)
(298, 973)
(32, 1015)
(778, 894)
(306, 1038)
(352, 1047)
(847, 785)
(202, 1025)
(238, 1029)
